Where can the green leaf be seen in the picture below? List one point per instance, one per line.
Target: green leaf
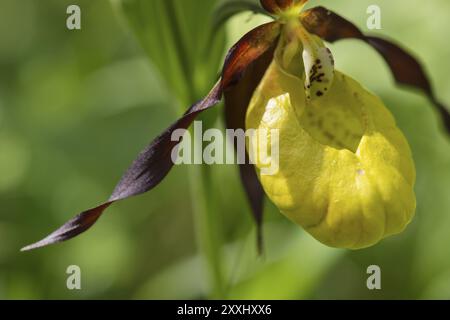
(177, 37)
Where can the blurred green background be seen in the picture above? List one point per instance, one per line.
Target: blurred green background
(77, 106)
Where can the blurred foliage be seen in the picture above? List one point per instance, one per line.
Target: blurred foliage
(178, 39)
(77, 106)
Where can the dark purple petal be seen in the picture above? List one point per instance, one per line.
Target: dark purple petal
(405, 68)
(72, 228)
(248, 49)
(255, 195)
(328, 25)
(146, 172)
(407, 71)
(155, 161)
(244, 67)
(237, 99)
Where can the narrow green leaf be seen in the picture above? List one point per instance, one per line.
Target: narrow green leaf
(177, 37)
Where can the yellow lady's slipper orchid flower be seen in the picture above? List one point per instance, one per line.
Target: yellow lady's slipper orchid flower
(346, 172)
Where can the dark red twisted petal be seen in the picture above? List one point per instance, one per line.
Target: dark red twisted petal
(405, 68)
(237, 99)
(155, 161)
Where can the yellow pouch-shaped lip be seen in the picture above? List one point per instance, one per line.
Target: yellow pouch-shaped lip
(346, 172)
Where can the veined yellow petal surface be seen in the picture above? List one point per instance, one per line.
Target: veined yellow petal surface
(346, 173)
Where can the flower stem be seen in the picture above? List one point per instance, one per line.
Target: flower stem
(206, 219)
(206, 214)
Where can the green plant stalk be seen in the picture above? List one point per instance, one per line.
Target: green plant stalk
(205, 214)
(209, 242)
(181, 49)
(207, 227)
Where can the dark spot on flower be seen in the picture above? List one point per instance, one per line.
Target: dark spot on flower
(319, 93)
(317, 77)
